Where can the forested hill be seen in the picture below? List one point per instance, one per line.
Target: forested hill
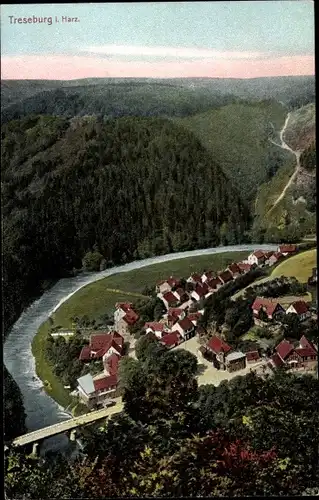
(116, 100)
(146, 96)
(133, 187)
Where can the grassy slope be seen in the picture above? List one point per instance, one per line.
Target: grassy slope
(300, 132)
(237, 136)
(299, 265)
(96, 299)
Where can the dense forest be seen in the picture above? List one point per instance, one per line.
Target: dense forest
(146, 96)
(130, 187)
(121, 99)
(250, 436)
(14, 415)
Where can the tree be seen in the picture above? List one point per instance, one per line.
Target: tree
(92, 261)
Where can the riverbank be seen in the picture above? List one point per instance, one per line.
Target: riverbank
(100, 297)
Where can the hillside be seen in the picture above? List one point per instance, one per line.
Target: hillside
(301, 128)
(237, 136)
(294, 91)
(131, 187)
(125, 98)
(295, 214)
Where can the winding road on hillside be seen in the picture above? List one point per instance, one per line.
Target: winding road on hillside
(284, 145)
(41, 409)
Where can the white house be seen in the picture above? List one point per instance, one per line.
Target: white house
(257, 257)
(300, 308)
(185, 328)
(158, 329)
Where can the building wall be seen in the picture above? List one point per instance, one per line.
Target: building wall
(236, 365)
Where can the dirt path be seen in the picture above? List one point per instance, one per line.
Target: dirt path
(283, 145)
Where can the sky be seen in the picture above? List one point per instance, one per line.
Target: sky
(227, 39)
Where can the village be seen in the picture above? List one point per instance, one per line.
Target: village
(180, 326)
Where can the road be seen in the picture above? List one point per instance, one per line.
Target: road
(283, 145)
(67, 425)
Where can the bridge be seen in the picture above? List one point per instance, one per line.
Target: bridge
(72, 424)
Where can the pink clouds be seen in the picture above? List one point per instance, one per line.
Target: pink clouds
(63, 67)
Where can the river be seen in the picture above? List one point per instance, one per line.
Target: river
(41, 409)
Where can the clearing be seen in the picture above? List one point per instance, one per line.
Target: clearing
(300, 266)
(100, 297)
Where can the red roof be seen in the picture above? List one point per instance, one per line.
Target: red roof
(170, 297)
(268, 254)
(155, 326)
(287, 248)
(305, 351)
(267, 304)
(85, 354)
(100, 344)
(276, 256)
(226, 276)
(234, 268)
(105, 383)
(125, 306)
(185, 324)
(173, 281)
(277, 361)
(244, 266)
(201, 290)
(252, 355)
(174, 312)
(113, 363)
(196, 277)
(300, 306)
(212, 284)
(131, 317)
(218, 345)
(259, 254)
(208, 274)
(304, 342)
(180, 292)
(194, 316)
(171, 339)
(284, 349)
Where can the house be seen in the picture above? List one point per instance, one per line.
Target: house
(235, 360)
(157, 328)
(252, 356)
(124, 316)
(275, 361)
(194, 278)
(257, 257)
(167, 285)
(185, 328)
(94, 391)
(294, 356)
(244, 267)
(300, 308)
(225, 277)
(287, 249)
(214, 284)
(313, 278)
(219, 348)
(171, 340)
(174, 314)
(194, 317)
(200, 292)
(207, 276)
(274, 258)
(271, 307)
(234, 269)
(102, 346)
(169, 299)
(181, 295)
